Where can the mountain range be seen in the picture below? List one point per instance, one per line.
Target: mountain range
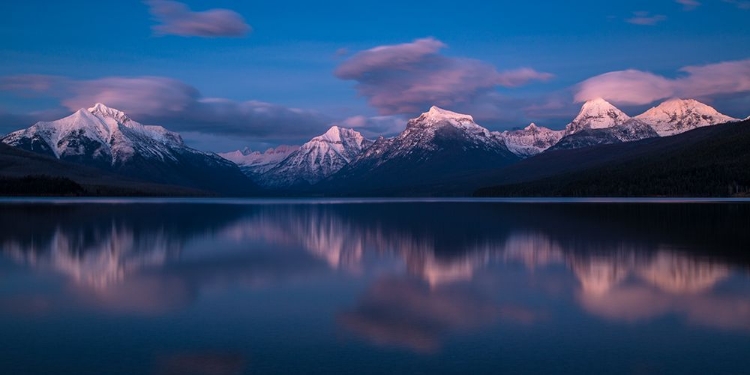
(440, 152)
(441, 146)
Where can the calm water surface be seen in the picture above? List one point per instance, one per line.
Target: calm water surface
(245, 287)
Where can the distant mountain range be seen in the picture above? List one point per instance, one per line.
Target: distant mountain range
(440, 146)
(440, 152)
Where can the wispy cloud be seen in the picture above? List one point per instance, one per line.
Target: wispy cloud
(28, 83)
(645, 18)
(177, 105)
(176, 18)
(638, 87)
(375, 126)
(689, 5)
(407, 78)
(741, 4)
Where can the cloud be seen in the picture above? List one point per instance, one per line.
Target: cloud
(637, 87)
(410, 77)
(176, 18)
(372, 127)
(688, 5)
(741, 4)
(341, 52)
(404, 313)
(178, 106)
(30, 83)
(645, 18)
(137, 96)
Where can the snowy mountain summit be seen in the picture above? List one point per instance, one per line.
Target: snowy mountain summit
(435, 144)
(421, 132)
(100, 135)
(430, 132)
(680, 115)
(531, 140)
(436, 118)
(597, 114)
(436, 115)
(254, 163)
(317, 159)
(107, 138)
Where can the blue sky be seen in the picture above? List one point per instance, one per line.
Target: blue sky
(262, 73)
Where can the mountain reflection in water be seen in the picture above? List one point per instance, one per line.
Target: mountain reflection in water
(414, 276)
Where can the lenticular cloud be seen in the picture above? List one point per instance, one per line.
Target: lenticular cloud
(637, 87)
(406, 78)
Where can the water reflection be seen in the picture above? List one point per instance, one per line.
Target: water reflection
(418, 273)
(402, 312)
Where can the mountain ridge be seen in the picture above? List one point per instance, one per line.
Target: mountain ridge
(108, 139)
(317, 159)
(434, 146)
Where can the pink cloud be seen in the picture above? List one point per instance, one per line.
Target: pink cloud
(409, 77)
(645, 18)
(637, 87)
(689, 5)
(176, 18)
(373, 127)
(722, 78)
(741, 4)
(28, 83)
(133, 95)
(176, 105)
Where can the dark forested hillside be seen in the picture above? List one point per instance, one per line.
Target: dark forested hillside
(24, 173)
(711, 161)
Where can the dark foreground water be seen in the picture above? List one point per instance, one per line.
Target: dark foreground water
(202, 287)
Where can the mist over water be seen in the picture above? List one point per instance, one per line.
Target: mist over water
(374, 287)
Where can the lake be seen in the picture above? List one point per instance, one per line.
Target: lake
(374, 286)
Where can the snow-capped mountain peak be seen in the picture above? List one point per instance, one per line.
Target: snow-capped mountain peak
(333, 134)
(436, 114)
(107, 138)
(431, 133)
(337, 135)
(676, 116)
(102, 110)
(437, 117)
(427, 124)
(102, 134)
(253, 163)
(597, 114)
(317, 159)
(530, 140)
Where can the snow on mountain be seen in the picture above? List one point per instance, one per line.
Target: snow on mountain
(102, 134)
(425, 133)
(423, 129)
(255, 162)
(434, 147)
(597, 114)
(631, 130)
(108, 139)
(678, 116)
(531, 140)
(600, 122)
(317, 159)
